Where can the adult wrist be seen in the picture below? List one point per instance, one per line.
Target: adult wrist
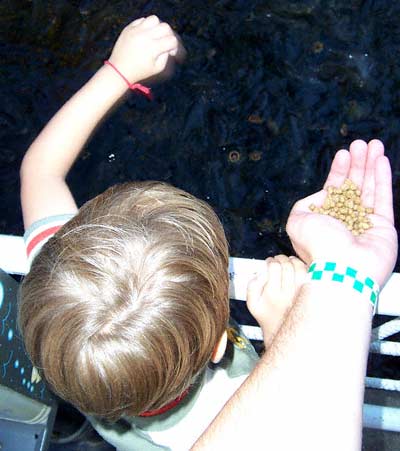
(337, 273)
(333, 301)
(379, 269)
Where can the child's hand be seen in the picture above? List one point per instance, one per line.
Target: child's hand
(271, 294)
(144, 47)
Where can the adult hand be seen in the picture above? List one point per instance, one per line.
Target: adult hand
(321, 237)
(144, 48)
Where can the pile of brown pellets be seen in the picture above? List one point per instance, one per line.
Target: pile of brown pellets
(344, 203)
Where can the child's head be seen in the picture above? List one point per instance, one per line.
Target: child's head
(123, 307)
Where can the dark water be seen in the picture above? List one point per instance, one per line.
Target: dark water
(250, 123)
(269, 92)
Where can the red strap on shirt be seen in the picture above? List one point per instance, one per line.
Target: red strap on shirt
(169, 406)
(132, 86)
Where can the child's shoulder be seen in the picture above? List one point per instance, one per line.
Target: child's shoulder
(37, 234)
(240, 357)
(180, 427)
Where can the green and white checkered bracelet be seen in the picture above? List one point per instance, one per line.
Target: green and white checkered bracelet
(334, 272)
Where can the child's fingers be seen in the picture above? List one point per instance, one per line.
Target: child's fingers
(150, 22)
(282, 258)
(167, 44)
(136, 22)
(300, 270)
(256, 285)
(274, 276)
(255, 303)
(161, 30)
(298, 264)
(164, 31)
(287, 276)
(179, 53)
(287, 269)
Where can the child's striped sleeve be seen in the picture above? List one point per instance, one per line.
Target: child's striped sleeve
(40, 232)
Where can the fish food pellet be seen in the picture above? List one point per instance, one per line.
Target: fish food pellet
(344, 203)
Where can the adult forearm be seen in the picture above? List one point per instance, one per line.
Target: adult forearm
(58, 145)
(306, 388)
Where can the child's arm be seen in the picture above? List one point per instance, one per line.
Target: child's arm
(271, 294)
(141, 51)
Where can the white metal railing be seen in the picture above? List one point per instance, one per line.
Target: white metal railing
(13, 261)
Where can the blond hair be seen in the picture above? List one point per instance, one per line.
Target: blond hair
(122, 308)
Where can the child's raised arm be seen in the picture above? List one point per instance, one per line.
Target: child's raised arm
(141, 51)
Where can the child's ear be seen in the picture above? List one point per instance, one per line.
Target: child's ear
(220, 348)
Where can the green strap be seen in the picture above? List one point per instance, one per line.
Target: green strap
(334, 272)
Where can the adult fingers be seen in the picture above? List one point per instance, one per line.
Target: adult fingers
(375, 150)
(383, 189)
(358, 154)
(339, 169)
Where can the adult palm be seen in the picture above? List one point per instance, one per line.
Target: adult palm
(320, 237)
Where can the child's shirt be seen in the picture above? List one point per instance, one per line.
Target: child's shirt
(37, 235)
(178, 428)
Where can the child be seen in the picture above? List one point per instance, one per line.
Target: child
(126, 302)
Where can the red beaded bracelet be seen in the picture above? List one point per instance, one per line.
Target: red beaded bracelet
(132, 86)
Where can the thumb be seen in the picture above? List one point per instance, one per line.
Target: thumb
(316, 199)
